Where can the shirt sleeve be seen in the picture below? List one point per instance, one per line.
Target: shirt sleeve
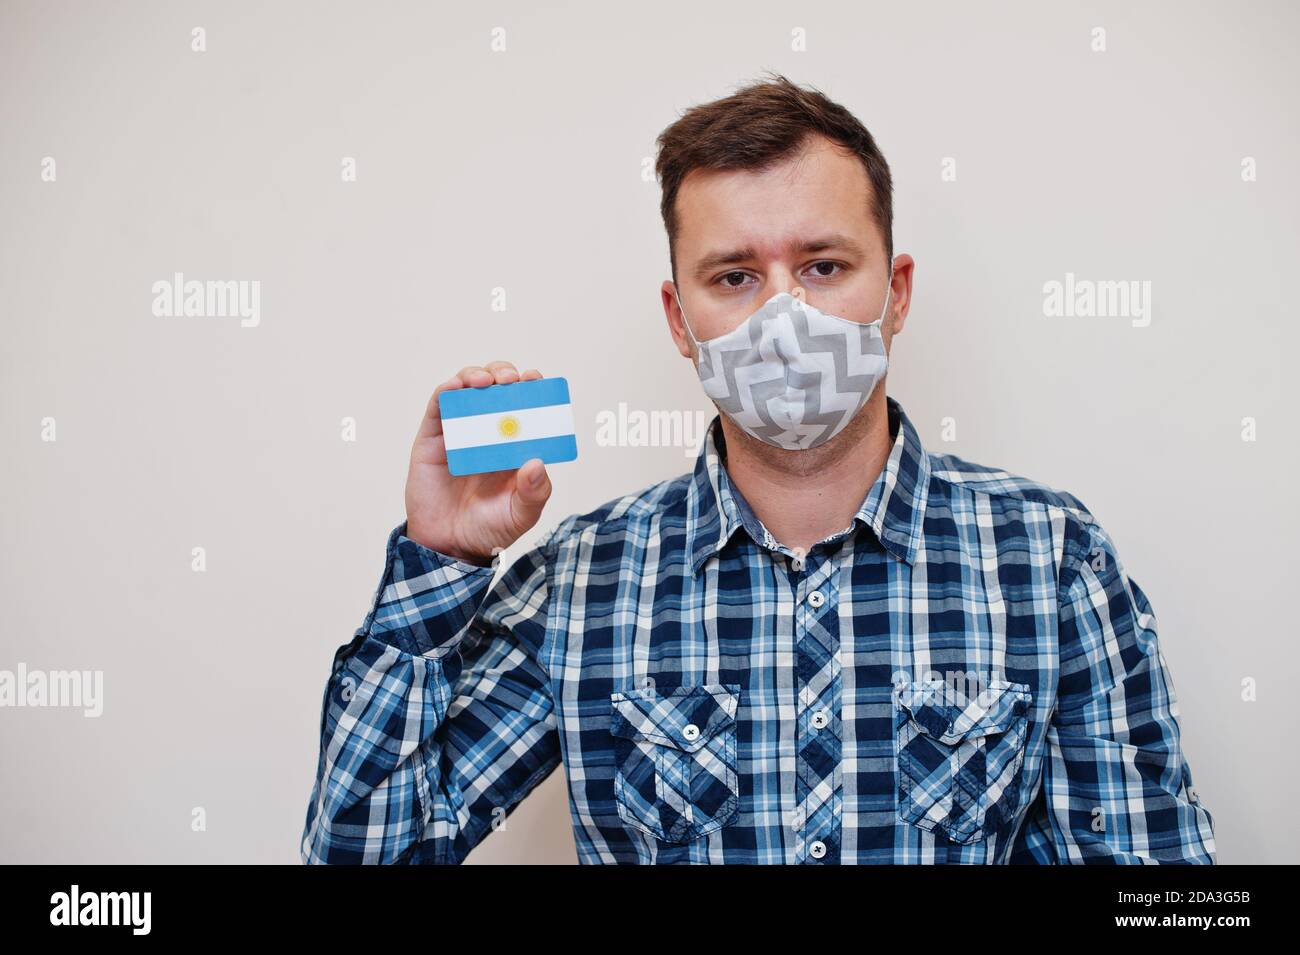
(1116, 786)
(437, 718)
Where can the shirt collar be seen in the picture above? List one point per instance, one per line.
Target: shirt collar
(893, 508)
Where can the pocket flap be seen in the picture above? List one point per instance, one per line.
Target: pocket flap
(683, 717)
(944, 711)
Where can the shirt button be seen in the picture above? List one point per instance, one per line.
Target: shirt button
(820, 719)
(816, 599)
(691, 732)
(817, 849)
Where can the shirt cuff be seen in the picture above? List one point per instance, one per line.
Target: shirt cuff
(426, 599)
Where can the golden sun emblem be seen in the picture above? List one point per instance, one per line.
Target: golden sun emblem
(508, 426)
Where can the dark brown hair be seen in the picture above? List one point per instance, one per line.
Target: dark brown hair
(756, 127)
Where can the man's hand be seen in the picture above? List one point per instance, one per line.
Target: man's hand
(473, 516)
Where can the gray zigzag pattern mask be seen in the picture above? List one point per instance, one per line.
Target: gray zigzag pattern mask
(791, 375)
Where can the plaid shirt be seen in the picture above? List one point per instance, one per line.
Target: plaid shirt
(965, 674)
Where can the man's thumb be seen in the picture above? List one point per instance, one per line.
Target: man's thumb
(532, 489)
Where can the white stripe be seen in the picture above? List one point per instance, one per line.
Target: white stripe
(474, 431)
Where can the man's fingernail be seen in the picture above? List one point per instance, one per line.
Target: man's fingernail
(536, 478)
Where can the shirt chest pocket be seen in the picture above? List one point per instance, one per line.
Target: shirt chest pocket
(675, 759)
(959, 757)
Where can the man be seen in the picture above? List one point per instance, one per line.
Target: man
(823, 645)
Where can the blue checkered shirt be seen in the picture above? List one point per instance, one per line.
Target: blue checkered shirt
(965, 674)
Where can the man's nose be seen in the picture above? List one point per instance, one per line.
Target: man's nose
(781, 279)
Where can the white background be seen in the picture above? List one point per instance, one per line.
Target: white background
(522, 170)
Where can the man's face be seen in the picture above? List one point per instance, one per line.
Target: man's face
(803, 226)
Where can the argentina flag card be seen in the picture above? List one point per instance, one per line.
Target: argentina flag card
(499, 427)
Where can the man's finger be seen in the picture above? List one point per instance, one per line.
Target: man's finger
(431, 423)
(503, 371)
(475, 376)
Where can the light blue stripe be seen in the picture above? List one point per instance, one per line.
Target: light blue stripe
(502, 457)
(516, 396)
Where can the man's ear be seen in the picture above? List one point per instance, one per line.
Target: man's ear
(673, 313)
(901, 288)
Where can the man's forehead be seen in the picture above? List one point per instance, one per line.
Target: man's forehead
(825, 173)
(788, 208)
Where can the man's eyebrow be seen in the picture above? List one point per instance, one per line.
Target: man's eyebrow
(834, 240)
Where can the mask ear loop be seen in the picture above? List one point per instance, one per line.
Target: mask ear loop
(889, 293)
(685, 323)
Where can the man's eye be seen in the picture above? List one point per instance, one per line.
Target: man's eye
(818, 266)
(729, 275)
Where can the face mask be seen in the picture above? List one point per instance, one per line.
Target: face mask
(790, 375)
